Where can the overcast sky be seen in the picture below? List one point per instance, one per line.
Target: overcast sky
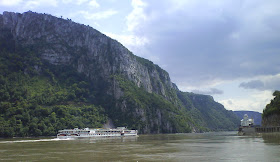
(229, 49)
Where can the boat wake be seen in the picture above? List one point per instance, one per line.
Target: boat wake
(36, 140)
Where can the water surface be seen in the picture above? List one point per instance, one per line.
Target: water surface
(224, 146)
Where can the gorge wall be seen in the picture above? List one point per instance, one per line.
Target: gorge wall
(272, 120)
(133, 91)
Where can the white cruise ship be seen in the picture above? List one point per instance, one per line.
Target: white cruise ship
(101, 132)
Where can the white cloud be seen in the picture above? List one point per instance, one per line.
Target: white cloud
(137, 15)
(97, 15)
(36, 3)
(255, 102)
(66, 1)
(10, 2)
(80, 2)
(129, 40)
(93, 3)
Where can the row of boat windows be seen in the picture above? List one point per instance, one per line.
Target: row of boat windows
(111, 131)
(101, 134)
(96, 132)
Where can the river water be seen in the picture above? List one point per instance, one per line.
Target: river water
(222, 146)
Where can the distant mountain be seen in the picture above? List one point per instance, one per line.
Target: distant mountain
(208, 113)
(251, 114)
(58, 74)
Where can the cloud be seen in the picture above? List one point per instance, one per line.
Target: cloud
(254, 84)
(129, 40)
(36, 3)
(271, 83)
(255, 102)
(137, 15)
(80, 2)
(201, 42)
(211, 91)
(10, 2)
(93, 3)
(66, 1)
(96, 15)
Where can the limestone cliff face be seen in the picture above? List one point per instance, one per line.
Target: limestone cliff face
(271, 120)
(154, 106)
(65, 42)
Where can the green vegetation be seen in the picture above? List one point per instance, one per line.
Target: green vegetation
(207, 113)
(273, 107)
(156, 108)
(37, 99)
(183, 110)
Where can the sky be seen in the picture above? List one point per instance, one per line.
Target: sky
(229, 49)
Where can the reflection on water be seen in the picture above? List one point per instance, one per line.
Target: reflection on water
(223, 146)
(107, 139)
(271, 138)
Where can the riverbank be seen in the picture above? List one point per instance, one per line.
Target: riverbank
(258, 130)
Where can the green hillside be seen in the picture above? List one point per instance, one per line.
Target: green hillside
(36, 102)
(52, 78)
(273, 107)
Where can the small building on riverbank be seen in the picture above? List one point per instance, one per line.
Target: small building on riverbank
(247, 127)
(246, 122)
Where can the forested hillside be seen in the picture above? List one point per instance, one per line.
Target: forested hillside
(39, 101)
(271, 113)
(208, 113)
(58, 74)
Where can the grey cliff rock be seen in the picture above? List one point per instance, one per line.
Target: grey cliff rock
(81, 46)
(101, 59)
(64, 42)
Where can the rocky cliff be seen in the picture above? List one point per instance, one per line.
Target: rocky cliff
(134, 91)
(271, 113)
(65, 42)
(271, 120)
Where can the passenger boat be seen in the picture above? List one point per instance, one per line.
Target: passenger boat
(97, 132)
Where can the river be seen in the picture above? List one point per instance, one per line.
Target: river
(221, 146)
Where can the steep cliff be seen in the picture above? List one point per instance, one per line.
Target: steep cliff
(133, 91)
(63, 42)
(208, 113)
